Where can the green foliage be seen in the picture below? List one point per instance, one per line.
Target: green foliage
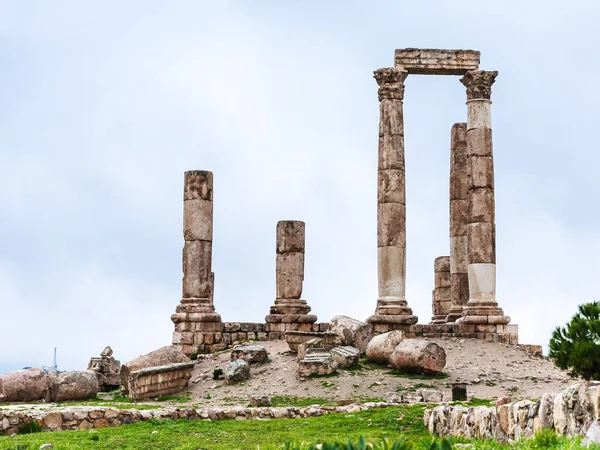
(30, 427)
(545, 439)
(577, 345)
(217, 373)
(417, 376)
(175, 398)
(287, 400)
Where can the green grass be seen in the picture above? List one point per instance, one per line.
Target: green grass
(394, 423)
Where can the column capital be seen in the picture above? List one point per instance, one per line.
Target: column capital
(479, 84)
(391, 83)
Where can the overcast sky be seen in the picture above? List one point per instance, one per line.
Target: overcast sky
(106, 104)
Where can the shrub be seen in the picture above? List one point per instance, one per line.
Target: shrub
(577, 345)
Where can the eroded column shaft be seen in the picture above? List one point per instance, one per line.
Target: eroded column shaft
(459, 280)
(391, 202)
(441, 301)
(289, 266)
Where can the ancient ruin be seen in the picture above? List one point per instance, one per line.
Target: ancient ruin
(464, 299)
(289, 308)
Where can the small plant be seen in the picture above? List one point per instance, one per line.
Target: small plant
(217, 373)
(95, 437)
(208, 396)
(545, 439)
(30, 427)
(194, 356)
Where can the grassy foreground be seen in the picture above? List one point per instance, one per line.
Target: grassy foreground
(403, 422)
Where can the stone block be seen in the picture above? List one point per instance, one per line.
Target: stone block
(481, 206)
(230, 327)
(391, 186)
(482, 243)
(310, 344)
(352, 332)
(485, 328)
(458, 217)
(436, 61)
(198, 220)
(198, 184)
(320, 363)
(479, 142)
(391, 262)
(391, 152)
(481, 172)
(290, 236)
(478, 114)
(289, 275)
(295, 338)
(250, 353)
(345, 356)
(197, 263)
(391, 118)
(250, 326)
(236, 371)
(442, 294)
(274, 335)
(391, 227)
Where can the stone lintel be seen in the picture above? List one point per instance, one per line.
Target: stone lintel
(429, 61)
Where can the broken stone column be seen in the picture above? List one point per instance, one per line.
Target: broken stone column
(459, 279)
(196, 313)
(441, 294)
(392, 307)
(289, 307)
(482, 307)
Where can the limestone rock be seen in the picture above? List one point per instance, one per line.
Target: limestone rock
(250, 353)
(418, 356)
(107, 351)
(257, 401)
(430, 395)
(161, 357)
(24, 385)
(345, 356)
(238, 370)
(593, 434)
(381, 347)
(316, 363)
(352, 332)
(311, 343)
(75, 385)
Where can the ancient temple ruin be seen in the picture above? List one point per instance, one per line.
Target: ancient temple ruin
(464, 299)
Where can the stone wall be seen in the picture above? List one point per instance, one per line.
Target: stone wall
(571, 412)
(192, 341)
(85, 417)
(505, 334)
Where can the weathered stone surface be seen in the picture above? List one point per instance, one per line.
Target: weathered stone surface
(250, 353)
(391, 186)
(429, 61)
(291, 236)
(312, 343)
(295, 338)
(160, 357)
(257, 401)
(316, 363)
(352, 332)
(481, 207)
(238, 370)
(198, 184)
(198, 220)
(75, 385)
(391, 225)
(381, 347)
(418, 356)
(481, 243)
(345, 356)
(391, 152)
(24, 385)
(391, 266)
(289, 275)
(197, 266)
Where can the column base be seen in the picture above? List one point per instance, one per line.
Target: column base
(438, 320)
(454, 314)
(291, 318)
(480, 312)
(392, 319)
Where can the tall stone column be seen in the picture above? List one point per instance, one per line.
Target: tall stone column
(459, 279)
(482, 307)
(441, 294)
(195, 313)
(392, 307)
(290, 248)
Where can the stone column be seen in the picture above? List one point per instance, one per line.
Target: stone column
(392, 307)
(441, 294)
(289, 307)
(196, 312)
(459, 280)
(482, 307)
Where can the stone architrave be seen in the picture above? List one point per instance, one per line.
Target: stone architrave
(459, 279)
(196, 306)
(441, 294)
(482, 307)
(392, 307)
(290, 248)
